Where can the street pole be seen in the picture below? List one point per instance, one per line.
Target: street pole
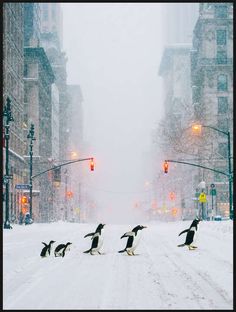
(212, 204)
(32, 138)
(231, 213)
(7, 114)
(66, 203)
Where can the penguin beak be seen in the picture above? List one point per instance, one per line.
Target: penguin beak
(144, 226)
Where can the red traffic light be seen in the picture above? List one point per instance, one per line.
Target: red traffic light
(24, 199)
(91, 164)
(69, 194)
(172, 196)
(166, 167)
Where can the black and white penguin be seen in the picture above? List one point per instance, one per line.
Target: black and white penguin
(61, 249)
(191, 232)
(97, 240)
(46, 249)
(133, 240)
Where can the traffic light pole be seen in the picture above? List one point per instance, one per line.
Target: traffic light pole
(58, 166)
(229, 175)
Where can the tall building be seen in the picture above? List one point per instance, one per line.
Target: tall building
(13, 87)
(76, 150)
(38, 79)
(178, 21)
(175, 71)
(212, 81)
(32, 24)
(51, 38)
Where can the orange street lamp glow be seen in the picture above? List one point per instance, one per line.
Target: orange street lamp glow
(197, 129)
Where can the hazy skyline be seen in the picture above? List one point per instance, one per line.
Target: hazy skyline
(114, 52)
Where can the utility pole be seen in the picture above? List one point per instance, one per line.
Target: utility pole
(32, 138)
(66, 202)
(7, 114)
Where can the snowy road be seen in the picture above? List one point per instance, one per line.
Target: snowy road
(161, 276)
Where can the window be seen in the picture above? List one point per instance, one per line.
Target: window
(223, 124)
(222, 84)
(223, 149)
(221, 11)
(221, 37)
(25, 70)
(222, 105)
(221, 57)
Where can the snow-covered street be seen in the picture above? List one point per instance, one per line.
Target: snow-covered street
(160, 276)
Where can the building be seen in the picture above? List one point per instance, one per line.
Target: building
(212, 81)
(178, 20)
(13, 87)
(38, 79)
(32, 24)
(175, 71)
(51, 37)
(76, 151)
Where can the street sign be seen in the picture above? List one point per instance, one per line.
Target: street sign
(213, 192)
(22, 186)
(202, 198)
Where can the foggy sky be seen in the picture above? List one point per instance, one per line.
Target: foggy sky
(114, 51)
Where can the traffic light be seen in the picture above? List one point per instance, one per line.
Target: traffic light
(165, 166)
(24, 199)
(57, 174)
(172, 196)
(69, 194)
(174, 211)
(91, 164)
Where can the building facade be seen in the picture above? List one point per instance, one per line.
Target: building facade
(175, 71)
(212, 81)
(13, 88)
(38, 79)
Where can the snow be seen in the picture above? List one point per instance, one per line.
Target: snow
(160, 276)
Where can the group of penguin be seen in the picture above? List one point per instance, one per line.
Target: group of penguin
(132, 241)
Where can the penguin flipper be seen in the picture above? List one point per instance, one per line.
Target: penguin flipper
(184, 231)
(89, 234)
(44, 244)
(127, 234)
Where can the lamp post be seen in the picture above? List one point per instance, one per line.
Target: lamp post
(198, 129)
(7, 114)
(32, 138)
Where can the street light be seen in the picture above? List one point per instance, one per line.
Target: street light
(197, 128)
(32, 138)
(7, 114)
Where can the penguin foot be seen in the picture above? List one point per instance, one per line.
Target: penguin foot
(130, 254)
(191, 247)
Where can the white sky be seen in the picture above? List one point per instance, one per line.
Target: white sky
(114, 51)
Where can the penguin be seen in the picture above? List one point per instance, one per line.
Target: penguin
(133, 240)
(97, 240)
(61, 249)
(46, 249)
(190, 234)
